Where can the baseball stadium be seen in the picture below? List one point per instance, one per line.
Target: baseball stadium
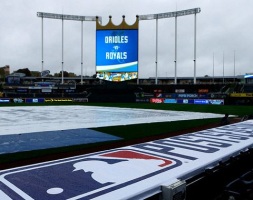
(115, 136)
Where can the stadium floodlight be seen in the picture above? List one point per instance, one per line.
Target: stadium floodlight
(170, 14)
(175, 15)
(67, 17)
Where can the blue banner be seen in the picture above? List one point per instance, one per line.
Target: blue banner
(4, 100)
(201, 101)
(35, 100)
(216, 101)
(187, 95)
(170, 101)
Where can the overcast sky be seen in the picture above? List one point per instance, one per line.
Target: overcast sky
(224, 27)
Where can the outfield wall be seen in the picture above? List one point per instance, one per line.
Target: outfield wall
(41, 100)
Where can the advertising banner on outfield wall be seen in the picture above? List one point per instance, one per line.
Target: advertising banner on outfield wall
(17, 100)
(170, 101)
(201, 101)
(182, 95)
(203, 96)
(188, 101)
(58, 100)
(187, 95)
(35, 100)
(156, 100)
(216, 101)
(241, 95)
(80, 99)
(172, 96)
(4, 100)
(142, 100)
(185, 101)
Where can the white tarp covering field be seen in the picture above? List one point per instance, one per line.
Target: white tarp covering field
(28, 119)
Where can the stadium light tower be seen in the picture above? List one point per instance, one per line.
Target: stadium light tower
(66, 17)
(170, 15)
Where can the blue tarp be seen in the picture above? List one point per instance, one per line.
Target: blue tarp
(51, 139)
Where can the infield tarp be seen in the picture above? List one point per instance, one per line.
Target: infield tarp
(28, 119)
(25, 128)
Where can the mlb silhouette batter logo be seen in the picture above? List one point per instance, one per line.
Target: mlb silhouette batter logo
(84, 177)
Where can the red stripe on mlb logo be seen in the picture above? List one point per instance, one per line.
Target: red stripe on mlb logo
(127, 154)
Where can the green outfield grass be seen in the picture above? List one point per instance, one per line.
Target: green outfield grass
(132, 132)
(219, 109)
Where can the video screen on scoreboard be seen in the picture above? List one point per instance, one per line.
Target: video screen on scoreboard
(117, 54)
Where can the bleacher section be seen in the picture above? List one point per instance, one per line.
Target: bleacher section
(128, 92)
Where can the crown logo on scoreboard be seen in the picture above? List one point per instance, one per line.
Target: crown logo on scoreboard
(122, 26)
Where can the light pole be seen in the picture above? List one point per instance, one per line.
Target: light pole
(156, 52)
(213, 67)
(42, 45)
(234, 66)
(170, 15)
(223, 67)
(62, 53)
(67, 17)
(195, 48)
(81, 52)
(175, 61)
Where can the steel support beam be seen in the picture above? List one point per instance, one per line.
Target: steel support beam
(66, 17)
(170, 15)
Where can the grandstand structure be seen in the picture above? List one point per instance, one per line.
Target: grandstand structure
(15, 79)
(228, 90)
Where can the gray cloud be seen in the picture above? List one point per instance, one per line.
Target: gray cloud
(222, 26)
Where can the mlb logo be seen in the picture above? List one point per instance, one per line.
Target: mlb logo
(85, 177)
